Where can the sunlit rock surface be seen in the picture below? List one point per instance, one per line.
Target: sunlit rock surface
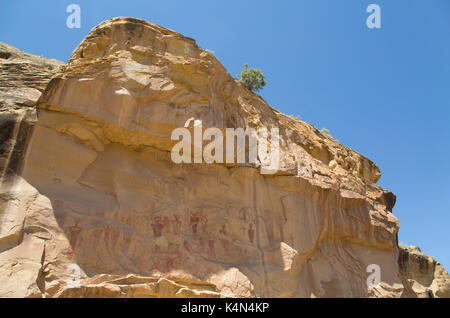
(422, 274)
(96, 207)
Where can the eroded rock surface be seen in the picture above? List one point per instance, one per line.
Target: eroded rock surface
(98, 207)
(421, 273)
(23, 77)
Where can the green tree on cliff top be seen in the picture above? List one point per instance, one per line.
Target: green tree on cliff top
(252, 78)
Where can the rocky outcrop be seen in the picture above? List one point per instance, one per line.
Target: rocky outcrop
(23, 77)
(98, 208)
(422, 273)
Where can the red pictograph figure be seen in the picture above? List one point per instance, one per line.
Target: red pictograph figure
(223, 239)
(107, 234)
(176, 224)
(204, 221)
(223, 230)
(225, 246)
(269, 226)
(194, 220)
(174, 258)
(242, 251)
(242, 215)
(74, 233)
(251, 233)
(186, 246)
(157, 226)
(211, 250)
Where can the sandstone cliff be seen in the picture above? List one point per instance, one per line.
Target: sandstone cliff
(23, 77)
(96, 207)
(421, 272)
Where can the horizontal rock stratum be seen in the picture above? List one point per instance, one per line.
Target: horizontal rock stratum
(93, 205)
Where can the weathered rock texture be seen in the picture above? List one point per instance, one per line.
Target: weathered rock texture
(421, 272)
(98, 197)
(23, 77)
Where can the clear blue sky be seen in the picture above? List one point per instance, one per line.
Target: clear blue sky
(383, 92)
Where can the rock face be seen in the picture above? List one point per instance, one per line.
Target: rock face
(97, 207)
(421, 272)
(23, 79)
